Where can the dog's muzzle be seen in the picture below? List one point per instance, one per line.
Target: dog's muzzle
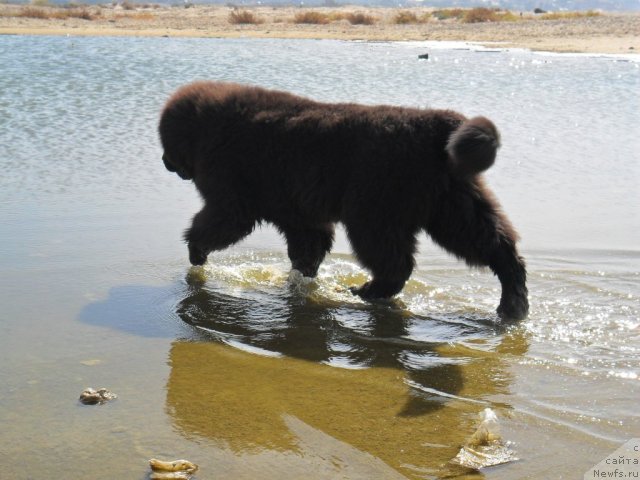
(183, 174)
(167, 164)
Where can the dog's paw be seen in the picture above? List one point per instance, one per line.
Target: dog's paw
(371, 291)
(378, 289)
(360, 291)
(310, 271)
(196, 256)
(513, 308)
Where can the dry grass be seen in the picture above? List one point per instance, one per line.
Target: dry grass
(312, 17)
(243, 17)
(386, 19)
(360, 19)
(508, 16)
(449, 13)
(568, 15)
(142, 16)
(405, 17)
(31, 12)
(479, 15)
(57, 14)
(82, 13)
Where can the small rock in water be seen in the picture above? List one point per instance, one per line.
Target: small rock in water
(176, 469)
(485, 447)
(92, 397)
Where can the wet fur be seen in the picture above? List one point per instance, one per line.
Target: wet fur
(384, 172)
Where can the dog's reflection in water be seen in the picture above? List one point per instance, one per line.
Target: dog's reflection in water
(408, 399)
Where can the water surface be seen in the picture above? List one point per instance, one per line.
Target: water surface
(253, 374)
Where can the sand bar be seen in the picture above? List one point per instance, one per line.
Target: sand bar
(611, 33)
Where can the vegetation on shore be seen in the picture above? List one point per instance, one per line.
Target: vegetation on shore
(314, 17)
(40, 9)
(243, 17)
(59, 13)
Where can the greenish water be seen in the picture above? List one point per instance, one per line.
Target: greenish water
(251, 374)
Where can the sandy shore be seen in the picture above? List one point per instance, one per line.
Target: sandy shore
(606, 33)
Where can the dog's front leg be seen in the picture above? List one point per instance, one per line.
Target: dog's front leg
(213, 229)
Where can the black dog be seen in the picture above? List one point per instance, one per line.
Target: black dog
(384, 172)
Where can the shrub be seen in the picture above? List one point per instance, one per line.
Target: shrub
(63, 14)
(479, 15)
(30, 12)
(336, 16)
(58, 13)
(81, 13)
(447, 13)
(127, 5)
(360, 19)
(243, 17)
(315, 18)
(404, 17)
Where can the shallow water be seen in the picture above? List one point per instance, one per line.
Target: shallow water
(254, 373)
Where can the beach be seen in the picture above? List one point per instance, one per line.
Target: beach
(607, 33)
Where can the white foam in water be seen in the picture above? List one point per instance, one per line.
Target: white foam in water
(249, 270)
(297, 279)
(271, 274)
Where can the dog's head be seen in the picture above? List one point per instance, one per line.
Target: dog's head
(179, 134)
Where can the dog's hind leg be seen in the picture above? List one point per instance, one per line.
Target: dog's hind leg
(468, 222)
(387, 253)
(214, 228)
(307, 246)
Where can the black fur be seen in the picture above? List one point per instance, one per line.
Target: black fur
(385, 172)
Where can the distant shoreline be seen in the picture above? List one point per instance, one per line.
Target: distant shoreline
(607, 33)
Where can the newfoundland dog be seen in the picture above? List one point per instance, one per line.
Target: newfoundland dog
(384, 172)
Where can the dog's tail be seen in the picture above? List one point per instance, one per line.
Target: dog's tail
(472, 147)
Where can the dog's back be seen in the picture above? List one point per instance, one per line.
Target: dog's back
(286, 151)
